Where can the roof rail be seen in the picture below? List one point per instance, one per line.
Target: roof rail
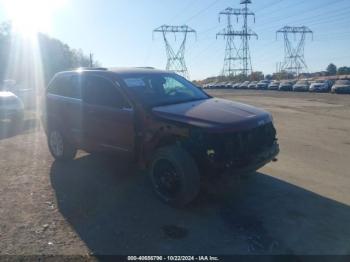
(91, 68)
(145, 67)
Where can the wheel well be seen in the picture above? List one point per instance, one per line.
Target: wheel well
(167, 141)
(161, 142)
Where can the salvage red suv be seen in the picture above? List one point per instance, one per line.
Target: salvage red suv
(164, 122)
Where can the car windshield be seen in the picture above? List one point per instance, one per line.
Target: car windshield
(162, 89)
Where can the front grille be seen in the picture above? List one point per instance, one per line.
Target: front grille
(247, 144)
(239, 147)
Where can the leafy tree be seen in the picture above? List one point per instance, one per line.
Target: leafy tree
(282, 75)
(268, 77)
(256, 76)
(343, 70)
(331, 69)
(5, 41)
(55, 56)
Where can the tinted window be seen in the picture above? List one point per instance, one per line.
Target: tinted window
(68, 86)
(102, 92)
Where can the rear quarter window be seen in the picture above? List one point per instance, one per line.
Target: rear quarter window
(67, 86)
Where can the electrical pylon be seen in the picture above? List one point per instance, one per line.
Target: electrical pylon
(294, 58)
(175, 60)
(247, 34)
(232, 54)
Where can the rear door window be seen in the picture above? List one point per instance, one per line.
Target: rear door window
(102, 92)
(67, 86)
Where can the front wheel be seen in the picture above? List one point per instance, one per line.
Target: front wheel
(59, 147)
(174, 176)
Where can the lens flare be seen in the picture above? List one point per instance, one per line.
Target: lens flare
(31, 17)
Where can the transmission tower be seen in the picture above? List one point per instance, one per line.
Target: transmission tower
(294, 59)
(247, 34)
(175, 60)
(232, 56)
(242, 54)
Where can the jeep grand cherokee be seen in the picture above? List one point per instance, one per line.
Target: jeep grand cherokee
(161, 120)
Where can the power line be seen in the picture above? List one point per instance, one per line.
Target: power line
(202, 11)
(191, 3)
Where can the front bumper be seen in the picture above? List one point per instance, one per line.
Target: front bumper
(257, 162)
(286, 88)
(300, 89)
(213, 168)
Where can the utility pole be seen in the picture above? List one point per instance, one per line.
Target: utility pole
(175, 60)
(242, 55)
(294, 58)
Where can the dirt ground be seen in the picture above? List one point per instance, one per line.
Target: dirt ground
(103, 205)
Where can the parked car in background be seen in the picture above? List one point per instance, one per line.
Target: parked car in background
(253, 85)
(286, 86)
(236, 85)
(27, 95)
(232, 85)
(228, 85)
(301, 86)
(320, 86)
(160, 120)
(341, 87)
(274, 85)
(222, 85)
(206, 86)
(214, 85)
(263, 84)
(244, 85)
(11, 107)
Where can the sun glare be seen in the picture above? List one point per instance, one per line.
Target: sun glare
(32, 16)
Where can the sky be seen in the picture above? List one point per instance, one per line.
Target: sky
(119, 32)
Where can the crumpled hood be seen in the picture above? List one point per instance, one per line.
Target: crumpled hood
(215, 114)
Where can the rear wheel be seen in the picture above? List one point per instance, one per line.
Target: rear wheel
(174, 176)
(59, 147)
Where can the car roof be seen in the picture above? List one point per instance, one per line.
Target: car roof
(117, 71)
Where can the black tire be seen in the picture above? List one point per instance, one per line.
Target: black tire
(60, 149)
(175, 164)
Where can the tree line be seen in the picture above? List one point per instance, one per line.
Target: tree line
(333, 70)
(17, 60)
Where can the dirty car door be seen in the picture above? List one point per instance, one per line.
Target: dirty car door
(108, 117)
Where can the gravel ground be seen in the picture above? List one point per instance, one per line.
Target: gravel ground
(103, 205)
